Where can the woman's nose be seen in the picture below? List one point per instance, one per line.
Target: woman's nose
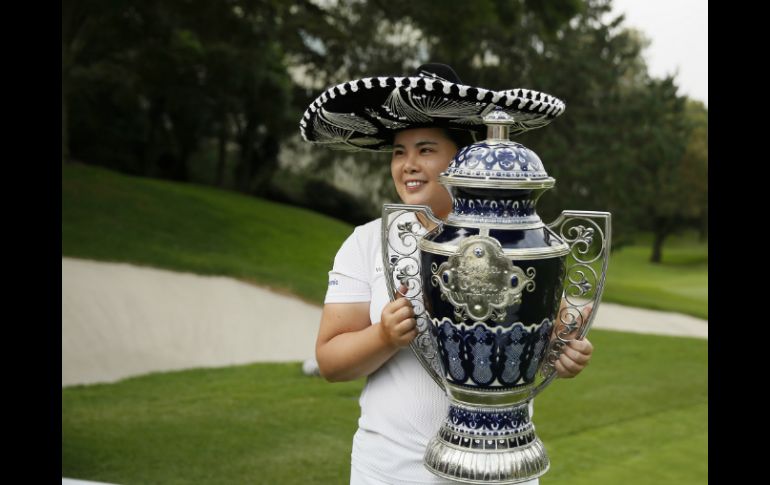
(411, 165)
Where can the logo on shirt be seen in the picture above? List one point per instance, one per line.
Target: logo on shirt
(333, 282)
(378, 269)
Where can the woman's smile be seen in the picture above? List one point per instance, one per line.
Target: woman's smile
(419, 156)
(414, 185)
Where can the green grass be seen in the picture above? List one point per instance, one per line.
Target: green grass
(263, 423)
(113, 217)
(679, 283)
(108, 216)
(637, 415)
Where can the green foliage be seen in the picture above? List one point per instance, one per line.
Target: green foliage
(636, 415)
(693, 169)
(323, 197)
(150, 87)
(619, 145)
(596, 67)
(158, 77)
(671, 162)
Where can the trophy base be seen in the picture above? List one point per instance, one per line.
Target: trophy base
(478, 444)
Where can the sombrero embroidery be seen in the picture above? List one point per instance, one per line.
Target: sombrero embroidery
(363, 114)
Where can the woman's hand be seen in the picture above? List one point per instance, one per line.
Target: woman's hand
(398, 326)
(576, 354)
(574, 358)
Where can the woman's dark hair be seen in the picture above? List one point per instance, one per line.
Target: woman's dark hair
(461, 138)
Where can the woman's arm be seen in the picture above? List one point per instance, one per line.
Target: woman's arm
(349, 346)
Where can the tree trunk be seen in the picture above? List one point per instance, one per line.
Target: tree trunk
(66, 61)
(266, 164)
(244, 172)
(657, 246)
(221, 155)
(65, 139)
(74, 16)
(182, 170)
(703, 233)
(153, 149)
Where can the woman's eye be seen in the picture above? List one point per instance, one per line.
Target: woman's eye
(397, 153)
(426, 150)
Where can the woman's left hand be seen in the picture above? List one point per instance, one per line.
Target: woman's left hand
(574, 358)
(576, 354)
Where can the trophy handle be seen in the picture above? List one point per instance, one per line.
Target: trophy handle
(589, 235)
(401, 231)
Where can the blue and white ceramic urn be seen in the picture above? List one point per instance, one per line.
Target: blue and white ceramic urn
(497, 293)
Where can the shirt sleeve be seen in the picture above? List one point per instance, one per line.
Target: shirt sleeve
(349, 278)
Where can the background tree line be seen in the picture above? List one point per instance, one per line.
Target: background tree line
(212, 92)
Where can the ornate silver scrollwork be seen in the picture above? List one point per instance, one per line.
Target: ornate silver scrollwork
(401, 261)
(589, 236)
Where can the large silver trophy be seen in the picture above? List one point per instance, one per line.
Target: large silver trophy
(487, 286)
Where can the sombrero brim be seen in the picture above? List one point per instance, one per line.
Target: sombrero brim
(363, 114)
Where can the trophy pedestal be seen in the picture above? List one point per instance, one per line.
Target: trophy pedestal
(482, 444)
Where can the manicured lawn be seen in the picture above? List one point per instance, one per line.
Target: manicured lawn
(108, 216)
(637, 415)
(113, 217)
(679, 283)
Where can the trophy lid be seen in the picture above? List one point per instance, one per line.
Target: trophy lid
(497, 162)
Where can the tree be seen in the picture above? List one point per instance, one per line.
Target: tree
(81, 21)
(147, 84)
(694, 168)
(392, 38)
(596, 67)
(152, 79)
(667, 185)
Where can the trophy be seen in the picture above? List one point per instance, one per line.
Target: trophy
(497, 294)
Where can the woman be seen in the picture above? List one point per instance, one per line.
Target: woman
(362, 333)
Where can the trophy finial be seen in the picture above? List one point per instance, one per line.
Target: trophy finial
(497, 162)
(499, 124)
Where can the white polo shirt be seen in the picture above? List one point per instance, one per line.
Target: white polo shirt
(402, 408)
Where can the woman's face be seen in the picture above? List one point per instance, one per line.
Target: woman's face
(419, 156)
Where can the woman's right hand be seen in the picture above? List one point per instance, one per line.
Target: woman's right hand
(398, 326)
(350, 347)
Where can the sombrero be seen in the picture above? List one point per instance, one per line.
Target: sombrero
(363, 114)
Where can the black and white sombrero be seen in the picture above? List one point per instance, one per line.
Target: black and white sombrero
(363, 114)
